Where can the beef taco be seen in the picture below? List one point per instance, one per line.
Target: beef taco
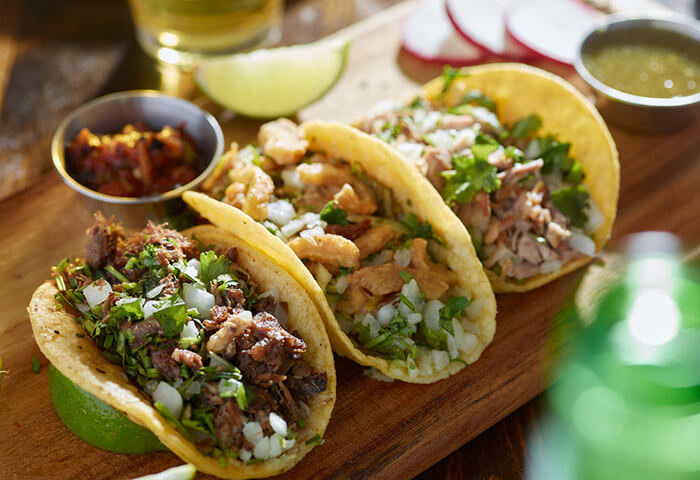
(523, 159)
(391, 268)
(196, 336)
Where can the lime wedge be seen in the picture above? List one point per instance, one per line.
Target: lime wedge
(274, 82)
(95, 421)
(183, 472)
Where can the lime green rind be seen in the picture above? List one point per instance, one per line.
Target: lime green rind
(183, 472)
(276, 82)
(95, 421)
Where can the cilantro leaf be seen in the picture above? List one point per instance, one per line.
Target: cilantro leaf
(389, 131)
(212, 266)
(417, 229)
(453, 308)
(555, 155)
(476, 97)
(571, 201)
(173, 317)
(127, 311)
(448, 76)
(333, 214)
(525, 127)
(405, 276)
(470, 175)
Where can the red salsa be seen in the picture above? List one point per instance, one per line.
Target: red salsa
(134, 163)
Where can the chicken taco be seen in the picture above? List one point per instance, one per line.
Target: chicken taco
(523, 159)
(391, 268)
(196, 336)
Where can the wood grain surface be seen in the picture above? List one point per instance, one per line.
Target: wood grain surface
(378, 430)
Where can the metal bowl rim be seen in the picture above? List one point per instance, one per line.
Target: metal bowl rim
(628, 98)
(58, 150)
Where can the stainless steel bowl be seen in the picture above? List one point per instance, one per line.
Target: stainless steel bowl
(109, 114)
(635, 112)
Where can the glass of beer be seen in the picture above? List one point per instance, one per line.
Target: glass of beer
(184, 31)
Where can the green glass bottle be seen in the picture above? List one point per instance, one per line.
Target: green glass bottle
(626, 405)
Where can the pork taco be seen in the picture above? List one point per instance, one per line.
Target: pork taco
(523, 159)
(391, 268)
(196, 336)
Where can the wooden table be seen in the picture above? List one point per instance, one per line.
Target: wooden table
(47, 67)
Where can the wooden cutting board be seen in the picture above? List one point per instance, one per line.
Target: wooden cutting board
(378, 430)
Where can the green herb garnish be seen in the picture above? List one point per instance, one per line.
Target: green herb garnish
(315, 440)
(452, 309)
(333, 214)
(405, 276)
(448, 76)
(572, 201)
(470, 175)
(417, 229)
(525, 127)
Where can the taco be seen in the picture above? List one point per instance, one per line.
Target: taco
(522, 158)
(196, 336)
(391, 268)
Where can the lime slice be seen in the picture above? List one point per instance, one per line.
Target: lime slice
(95, 421)
(183, 472)
(274, 82)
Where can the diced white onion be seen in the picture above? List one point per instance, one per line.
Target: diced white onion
(431, 314)
(196, 265)
(292, 227)
(82, 307)
(429, 120)
(198, 298)
(386, 314)
(414, 318)
(190, 330)
(290, 177)
(582, 243)
(443, 139)
(341, 284)
(452, 347)
(484, 115)
(278, 424)
(125, 300)
(382, 257)
(459, 331)
(194, 389)
(402, 257)
(468, 342)
(312, 219)
(424, 363)
(550, 266)
(413, 294)
(252, 431)
(276, 442)
(217, 361)
(410, 150)
(373, 325)
(595, 217)
(149, 308)
(440, 359)
(97, 292)
(345, 325)
(169, 397)
(321, 275)
(314, 232)
(280, 212)
(288, 443)
(155, 291)
(262, 448)
(465, 137)
(244, 454)
(474, 308)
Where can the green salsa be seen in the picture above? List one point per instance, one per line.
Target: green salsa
(659, 67)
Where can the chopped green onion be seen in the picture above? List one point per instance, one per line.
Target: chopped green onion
(62, 266)
(407, 302)
(315, 440)
(405, 276)
(117, 274)
(377, 340)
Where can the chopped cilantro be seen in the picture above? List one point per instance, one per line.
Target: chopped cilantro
(417, 229)
(128, 311)
(417, 102)
(555, 155)
(315, 440)
(345, 270)
(448, 76)
(470, 175)
(453, 308)
(333, 214)
(173, 317)
(301, 422)
(478, 98)
(36, 365)
(405, 276)
(485, 139)
(389, 131)
(212, 266)
(525, 127)
(571, 201)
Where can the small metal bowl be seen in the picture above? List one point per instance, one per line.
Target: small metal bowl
(634, 112)
(110, 113)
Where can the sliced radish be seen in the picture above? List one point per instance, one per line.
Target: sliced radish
(550, 29)
(428, 35)
(482, 23)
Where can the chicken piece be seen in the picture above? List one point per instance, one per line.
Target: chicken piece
(431, 283)
(374, 240)
(436, 161)
(324, 174)
(282, 141)
(348, 200)
(527, 249)
(384, 279)
(499, 160)
(250, 191)
(421, 261)
(456, 122)
(333, 251)
(354, 300)
(215, 183)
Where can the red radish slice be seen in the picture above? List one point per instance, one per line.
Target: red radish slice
(550, 28)
(482, 23)
(428, 35)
